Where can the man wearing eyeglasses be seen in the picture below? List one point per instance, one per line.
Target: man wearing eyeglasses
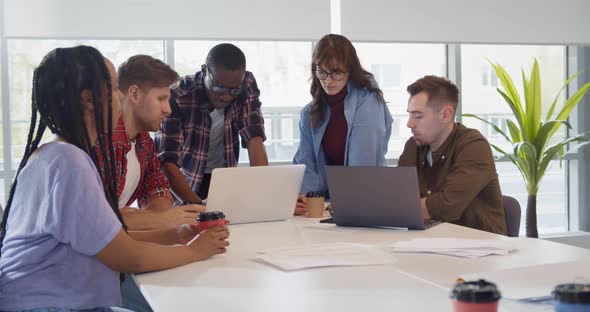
(211, 110)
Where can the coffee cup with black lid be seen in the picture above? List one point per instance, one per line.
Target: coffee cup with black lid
(573, 297)
(475, 296)
(210, 219)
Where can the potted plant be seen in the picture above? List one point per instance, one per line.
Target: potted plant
(530, 135)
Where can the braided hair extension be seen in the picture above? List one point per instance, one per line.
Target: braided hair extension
(56, 99)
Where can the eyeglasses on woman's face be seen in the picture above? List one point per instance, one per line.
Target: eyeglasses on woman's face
(336, 75)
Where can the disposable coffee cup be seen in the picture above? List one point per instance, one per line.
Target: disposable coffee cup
(210, 219)
(475, 296)
(315, 204)
(571, 297)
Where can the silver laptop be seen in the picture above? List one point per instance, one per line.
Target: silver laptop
(376, 197)
(255, 194)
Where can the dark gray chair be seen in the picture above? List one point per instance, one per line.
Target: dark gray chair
(512, 215)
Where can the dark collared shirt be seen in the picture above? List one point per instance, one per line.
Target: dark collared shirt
(462, 185)
(184, 135)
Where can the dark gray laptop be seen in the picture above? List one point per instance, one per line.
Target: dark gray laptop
(375, 197)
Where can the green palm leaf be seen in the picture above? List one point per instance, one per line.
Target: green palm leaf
(519, 118)
(489, 123)
(527, 153)
(534, 104)
(558, 150)
(525, 87)
(514, 131)
(570, 104)
(529, 135)
(543, 136)
(511, 96)
(552, 109)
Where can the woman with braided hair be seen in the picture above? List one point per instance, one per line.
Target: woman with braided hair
(62, 240)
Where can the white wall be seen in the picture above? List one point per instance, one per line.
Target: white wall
(468, 21)
(450, 21)
(174, 19)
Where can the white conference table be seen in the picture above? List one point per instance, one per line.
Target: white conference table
(416, 282)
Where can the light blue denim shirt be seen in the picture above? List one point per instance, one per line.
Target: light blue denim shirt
(369, 128)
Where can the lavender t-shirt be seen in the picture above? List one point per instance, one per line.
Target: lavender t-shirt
(59, 220)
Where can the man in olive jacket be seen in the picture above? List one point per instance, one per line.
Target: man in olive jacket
(456, 169)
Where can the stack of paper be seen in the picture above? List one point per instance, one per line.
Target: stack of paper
(323, 255)
(467, 248)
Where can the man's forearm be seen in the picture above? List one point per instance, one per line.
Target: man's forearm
(143, 219)
(178, 183)
(158, 203)
(140, 220)
(256, 152)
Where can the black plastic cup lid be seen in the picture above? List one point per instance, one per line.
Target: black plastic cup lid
(572, 293)
(476, 291)
(210, 216)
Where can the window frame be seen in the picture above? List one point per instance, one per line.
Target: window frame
(452, 70)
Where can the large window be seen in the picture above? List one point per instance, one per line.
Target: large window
(395, 66)
(1, 121)
(282, 71)
(479, 96)
(3, 175)
(25, 55)
(2, 194)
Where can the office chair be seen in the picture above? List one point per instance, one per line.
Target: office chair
(512, 215)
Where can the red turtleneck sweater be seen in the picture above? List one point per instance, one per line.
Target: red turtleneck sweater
(334, 140)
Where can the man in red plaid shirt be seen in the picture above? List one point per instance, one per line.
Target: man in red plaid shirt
(145, 86)
(211, 111)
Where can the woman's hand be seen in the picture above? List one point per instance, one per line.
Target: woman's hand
(186, 232)
(300, 208)
(210, 242)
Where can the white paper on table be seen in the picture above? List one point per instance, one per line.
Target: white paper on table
(467, 248)
(458, 253)
(324, 255)
(535, 281)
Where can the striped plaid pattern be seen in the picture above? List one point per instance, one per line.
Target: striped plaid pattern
(184, 135)
(152, 183)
